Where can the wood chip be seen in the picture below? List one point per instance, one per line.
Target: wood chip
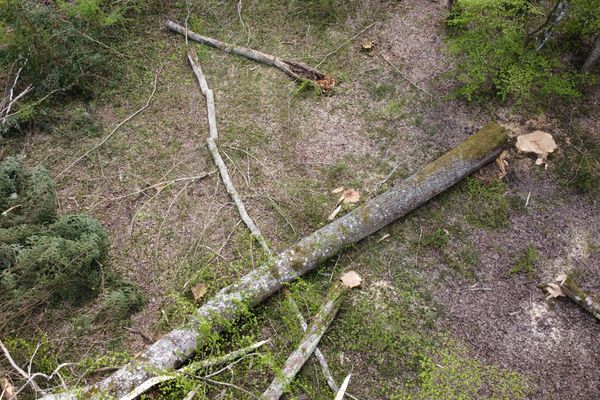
(351, 279)
(199, 291)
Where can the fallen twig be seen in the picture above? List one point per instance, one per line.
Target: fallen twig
(340, 394)
(298, 71)
(406, 78)
(344, 44)
(12, 99)
(191, 368)
(20, 371)
(142, 334)
(214, 151)
(120, 124)
(314, 333)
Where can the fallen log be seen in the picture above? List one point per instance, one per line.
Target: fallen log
(211, 141)
(329, 309)
(296, 70)
(318, 354)
(190, 369)
(177, 346)
(565, 286)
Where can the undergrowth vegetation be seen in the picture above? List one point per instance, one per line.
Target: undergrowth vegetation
(64, 50)
(448, 372)
(387, 333)
(510, 50)
(48, 259)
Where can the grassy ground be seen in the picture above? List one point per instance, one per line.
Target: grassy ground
(449, 295)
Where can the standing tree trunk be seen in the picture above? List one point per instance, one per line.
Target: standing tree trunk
(593, 57)
(176, 347)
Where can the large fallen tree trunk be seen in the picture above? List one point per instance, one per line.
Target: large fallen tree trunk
(177, 346)
(296, 70)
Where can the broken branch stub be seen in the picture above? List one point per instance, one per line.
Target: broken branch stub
(177, 346)
(565, 286)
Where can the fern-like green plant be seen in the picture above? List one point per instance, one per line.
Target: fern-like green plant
(47, 259)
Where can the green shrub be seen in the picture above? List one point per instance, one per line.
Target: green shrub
(62, 48)
(31, 197)
(496, 57)
(45, 258)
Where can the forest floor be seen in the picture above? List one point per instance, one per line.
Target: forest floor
(449, 303)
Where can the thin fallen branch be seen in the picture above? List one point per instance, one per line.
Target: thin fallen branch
(191, 368)
(19, 370)
(558, 13)
(329, 309)
(173, 349)
(318, 354)
(12, 99)
(340, 394)
(159, 186)
(120, 124)
(297, 71)
(565, 286)
(213, 136)
(214, 151)
(28, 376)
(31, 379)
(545, 23)
(344, 44)
(406, 78)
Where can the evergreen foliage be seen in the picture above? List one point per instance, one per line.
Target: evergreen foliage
(498, 54)
(46, 258)
(62, 47)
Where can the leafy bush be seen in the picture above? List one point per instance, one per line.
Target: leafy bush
(45, 258)
(62, 47)
(497, 57)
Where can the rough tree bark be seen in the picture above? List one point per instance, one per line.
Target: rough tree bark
(176, 347)
(593, 57)
(298, 71)
(329, 309)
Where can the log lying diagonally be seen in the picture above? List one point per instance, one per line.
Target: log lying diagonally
(179, 345)
(296, 70)
(211, 141)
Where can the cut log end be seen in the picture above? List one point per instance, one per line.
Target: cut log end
(351, 279)
(565, 286)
